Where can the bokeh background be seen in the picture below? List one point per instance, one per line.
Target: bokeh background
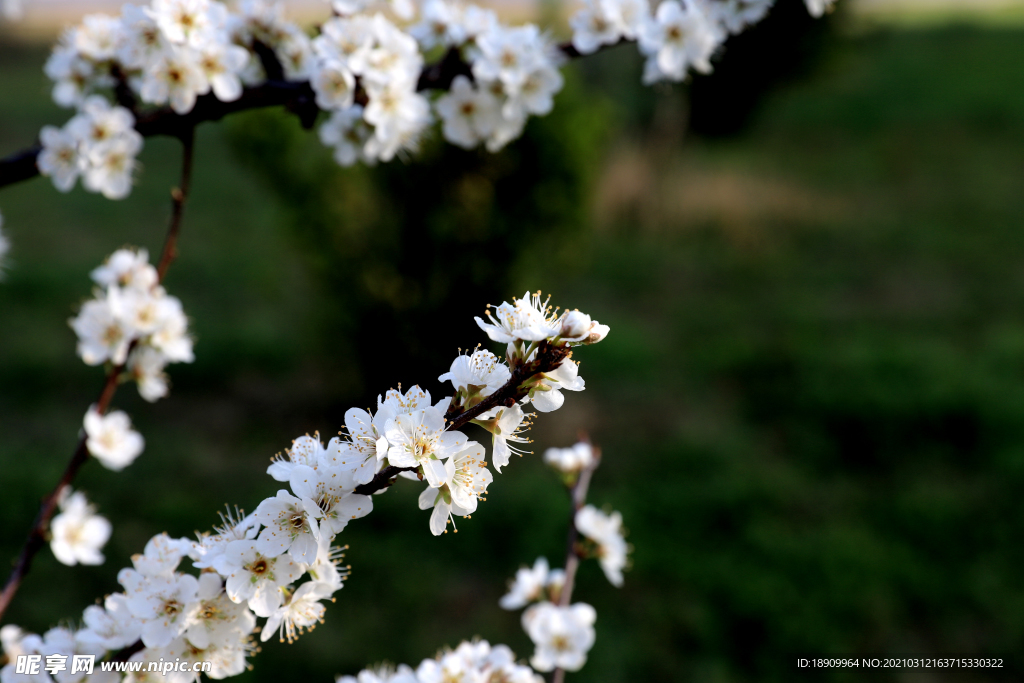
(811, 403)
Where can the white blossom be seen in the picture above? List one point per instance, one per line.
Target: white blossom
(256, 578)
(112, 626)
(419, 440)
(605, 22)
(214, 618)
(527, 586)
(440, 24)
(482, 372)
(364, 447)
(110, 166)
(162, 603)
(606, 531)
(348, 133)
(111, 439)
(677, 38)
(289, 526)
(176, 77)
(302, 610)
(818, 8)
(146, 366)
(328, 492)
(570, 460)
(562, 635)
(527, 318)
(469, 115)
(126, 268)
(334, 85)
(467, 479)
(59, 158)
(547, 396)
(77, 533)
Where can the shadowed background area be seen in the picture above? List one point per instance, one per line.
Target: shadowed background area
(810, 404)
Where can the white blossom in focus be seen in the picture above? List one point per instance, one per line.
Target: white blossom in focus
(606, 532)
(481, 370)
(565, 376)
(528, 318)
(111, 439)
(562, 635)
(256, 578)
(214, 617)
(508, 424)
(301, 611)
(328, 492)
(364, 448)
(289, 526)
(77, 533)
(419, 439)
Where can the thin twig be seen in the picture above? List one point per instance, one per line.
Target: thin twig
(41, 526)
(296, 96)
(178, 197)
(572, 557)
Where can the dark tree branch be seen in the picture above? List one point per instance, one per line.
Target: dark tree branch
(572, 558)
(296, 96)
(37, 535)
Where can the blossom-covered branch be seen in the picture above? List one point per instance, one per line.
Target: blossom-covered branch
(252, 566)
(175, 64)
(105, 339)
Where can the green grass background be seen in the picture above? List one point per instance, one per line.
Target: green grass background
(810, 403)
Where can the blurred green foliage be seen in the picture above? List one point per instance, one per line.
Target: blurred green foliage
(810, 403)
(413, 250)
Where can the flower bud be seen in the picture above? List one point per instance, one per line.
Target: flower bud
(597, 333)
(575, 325)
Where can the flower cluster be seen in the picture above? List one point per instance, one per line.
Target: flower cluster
(212, 616)
(387, 62)
(470, 662)
(515, 73)
(132, 321)
(562, 635)
(99, 144)
(253, 566)
(364, 69)
(77, 533)
(56, 641)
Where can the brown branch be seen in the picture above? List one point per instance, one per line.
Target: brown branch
(572, 558)
(41, 526)
(297, 96)
(548, 358)
(178, 196)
